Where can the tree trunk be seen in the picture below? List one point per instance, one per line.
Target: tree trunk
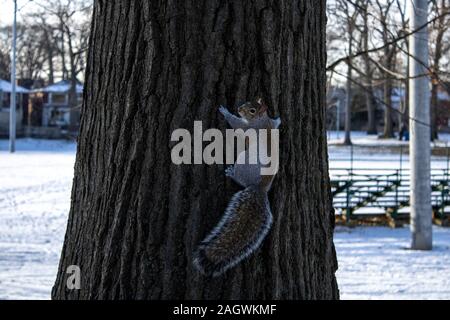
(135, 217)
(50, 54)
(348, 107)
(74, 113)
(388, 131)
(433, 111)
(371, 117)
(389, 53)
(434, 87)
(51, 72)
(404, 116)
(389, 63)
(348, 93)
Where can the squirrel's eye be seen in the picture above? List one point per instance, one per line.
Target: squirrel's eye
(252, 111)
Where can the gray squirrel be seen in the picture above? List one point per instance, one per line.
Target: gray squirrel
(248, 218)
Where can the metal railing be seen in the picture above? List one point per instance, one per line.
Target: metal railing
(386, 189)
(357, 190)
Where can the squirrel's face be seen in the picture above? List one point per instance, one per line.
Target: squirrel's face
(253, 110)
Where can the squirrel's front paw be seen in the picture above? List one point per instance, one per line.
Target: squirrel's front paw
(229, 171)
(223, 110)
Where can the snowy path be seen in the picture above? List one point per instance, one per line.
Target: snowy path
(35, 188)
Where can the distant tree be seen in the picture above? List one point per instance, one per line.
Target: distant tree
(439, 49)
(382, 57)
(347, 14)
(30, 51)
(387, 61)
(365, 9)
(403, 47)
(70, 32)
(5, 53)
(75, 37)
(51, 43)
(47, 34)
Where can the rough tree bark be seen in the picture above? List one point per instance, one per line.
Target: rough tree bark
(135, 218)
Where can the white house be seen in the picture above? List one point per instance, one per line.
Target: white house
(5, 98)
(53, 101)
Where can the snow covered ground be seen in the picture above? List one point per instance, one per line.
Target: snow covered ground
(375, 263)
(35, 183)
(361, 138)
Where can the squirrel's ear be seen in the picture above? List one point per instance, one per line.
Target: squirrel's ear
(260, 101)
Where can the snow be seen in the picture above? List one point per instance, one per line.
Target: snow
(62, 86)
(6, 86)
(443, 95)
(375, 263)
(361, 138)
(35, 185)
(35, 188)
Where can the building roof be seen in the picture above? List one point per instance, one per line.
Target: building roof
(62, 86)
(6, 86)
(443, 95)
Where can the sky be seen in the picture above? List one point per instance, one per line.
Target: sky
(7, 9)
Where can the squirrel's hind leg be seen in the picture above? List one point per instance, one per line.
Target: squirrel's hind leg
(247, 174)
(243, 173)
(231, 173)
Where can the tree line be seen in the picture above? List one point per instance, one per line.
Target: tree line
(367, 47)
(52, 41)
(368, 50)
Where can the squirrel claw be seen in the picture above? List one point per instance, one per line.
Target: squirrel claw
(229, 172)
(223, 110)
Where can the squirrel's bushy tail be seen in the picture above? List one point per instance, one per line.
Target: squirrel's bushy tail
(246, 222)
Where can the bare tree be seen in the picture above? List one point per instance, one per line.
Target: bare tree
(347, 16)
(5, 52)
(49, 42)
(30, 57)
(387, 61)
(30, 51)
(404, 48)
(383, 28)
(364, 7)
(76, 37)
(439, 48)
(72, 28)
